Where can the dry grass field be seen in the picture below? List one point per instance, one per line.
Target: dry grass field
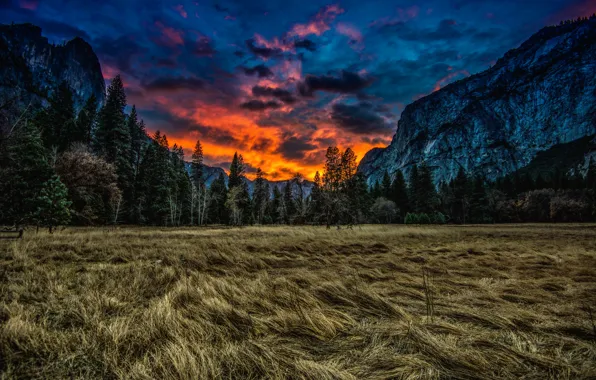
(376, 302)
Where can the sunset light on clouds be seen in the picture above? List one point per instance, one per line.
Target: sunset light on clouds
(279, 83)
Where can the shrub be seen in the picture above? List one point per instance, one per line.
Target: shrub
(438, 218)
(411, 219)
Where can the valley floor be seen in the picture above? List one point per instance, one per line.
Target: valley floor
(373, 302)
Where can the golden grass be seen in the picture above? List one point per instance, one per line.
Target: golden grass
(300, 303)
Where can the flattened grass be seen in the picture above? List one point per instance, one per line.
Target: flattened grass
(300, 303)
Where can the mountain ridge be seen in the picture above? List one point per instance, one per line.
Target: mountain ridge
(495, 122)
(31, 69)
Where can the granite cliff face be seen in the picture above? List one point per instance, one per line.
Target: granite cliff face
(538, 96)
(31, 68)
(211, 173)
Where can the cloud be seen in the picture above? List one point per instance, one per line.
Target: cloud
(61, 30)
(294, 147)
(169, 36)
(220, 8)
(279, 93)
(263, 52)
(261, 70)
(174, 84)
(181, 11)
(360, 118)
(202, 47)
(305, 44)
(349, 31)
(319, 24)
(259, 105)
(120, 52)
(347, 82)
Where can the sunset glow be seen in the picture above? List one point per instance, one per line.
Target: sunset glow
(281, 83)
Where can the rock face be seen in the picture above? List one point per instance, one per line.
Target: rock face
(536, 97)
(31, 68)
(211, 173)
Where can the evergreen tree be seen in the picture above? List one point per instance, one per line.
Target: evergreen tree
(316, 200)
(260, 197)
(113, 139)
(386, 186)
(236, 171)
(413, 185)
(53, 206)
(359, 199)
(196, 165)
(289, 206)
(57, 122)
(426, 191)
(23, 169)
(156, 176)
(218, 196)
(479, 205)
(461, 197)
(276, 206)
(86, 121)
(399, 193)
(241, 197)
(375, 190)
(138, 141)
(333, 170)
(348, 166)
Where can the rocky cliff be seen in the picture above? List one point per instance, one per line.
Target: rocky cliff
(536, 97)
(211, 173)
(31, 68)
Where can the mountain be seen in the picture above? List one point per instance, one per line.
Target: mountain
(211, 173)
(533, 102)
(31, 69)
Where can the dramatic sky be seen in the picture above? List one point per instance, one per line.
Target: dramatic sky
(280, 81)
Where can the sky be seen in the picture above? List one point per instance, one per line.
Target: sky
(280, 81)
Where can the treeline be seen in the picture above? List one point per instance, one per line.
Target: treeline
(99, 167)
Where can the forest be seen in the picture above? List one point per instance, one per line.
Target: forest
(100, 167)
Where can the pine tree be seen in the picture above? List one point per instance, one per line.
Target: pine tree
(86, 121)
(276, 208)
(316, 200)
(348, 165)
(236, 171)
(399, 193)
(479, 207)
(218, 196)
(53, 206)
(413, 185)
(386, 185)
(359, 199)
(198, 183)
(260, 197)
(196, 165)
(23, 169)
(426, 191)
(242, 198)
(113, 139)
(332, 175)
(138, 141)
(57, 122)
(289, 206)
(461, 197)
(155, 182)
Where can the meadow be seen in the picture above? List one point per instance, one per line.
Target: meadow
(372, 302)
